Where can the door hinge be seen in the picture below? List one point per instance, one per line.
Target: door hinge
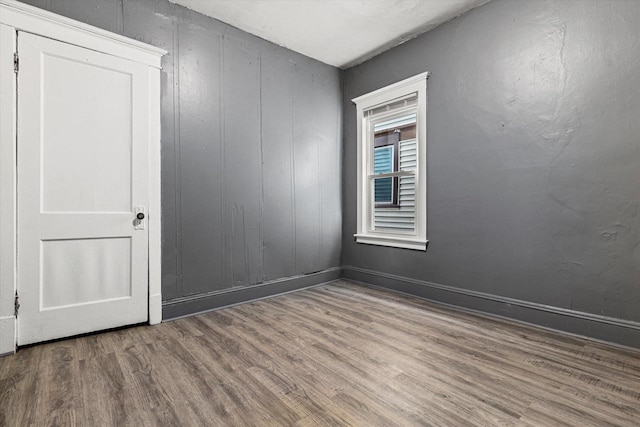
(16, 63)
(16, 305)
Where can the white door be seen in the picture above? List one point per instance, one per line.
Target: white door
(83, 136)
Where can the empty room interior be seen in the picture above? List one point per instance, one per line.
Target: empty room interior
(320, 212)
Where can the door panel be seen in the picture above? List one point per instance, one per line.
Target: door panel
(101, 179)
(106, 273)
(82, 171)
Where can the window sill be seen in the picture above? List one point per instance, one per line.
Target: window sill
(392, 241)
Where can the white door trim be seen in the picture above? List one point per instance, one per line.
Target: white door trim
(154, 215)
(7, 189)
(16, 16)
(34, 20)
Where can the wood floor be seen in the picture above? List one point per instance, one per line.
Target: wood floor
(340, 354)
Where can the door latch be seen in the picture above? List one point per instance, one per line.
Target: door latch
(139, 221)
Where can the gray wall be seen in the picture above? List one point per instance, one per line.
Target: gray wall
(533, 154)
(251, 148)
(533, 146)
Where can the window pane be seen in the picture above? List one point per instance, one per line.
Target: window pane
(383, 190)
(408, 155)
(395, 123)
(395, 149)
(383, 159)
(397, 218)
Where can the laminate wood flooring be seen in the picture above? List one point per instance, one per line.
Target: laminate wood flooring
(339, 354)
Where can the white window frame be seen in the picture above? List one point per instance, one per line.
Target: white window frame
(365, 233)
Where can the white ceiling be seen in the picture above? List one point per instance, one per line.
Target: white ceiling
(342, 33)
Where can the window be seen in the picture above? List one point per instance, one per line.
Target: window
(392, 160)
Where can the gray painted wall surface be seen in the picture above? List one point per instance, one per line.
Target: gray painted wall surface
(251, 148)
(533, 154)
(533, 146)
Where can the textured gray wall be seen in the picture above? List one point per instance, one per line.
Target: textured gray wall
(251, 148)
(533, 154)
(533, 145)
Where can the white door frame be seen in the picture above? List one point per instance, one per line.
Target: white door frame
(15, 16)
